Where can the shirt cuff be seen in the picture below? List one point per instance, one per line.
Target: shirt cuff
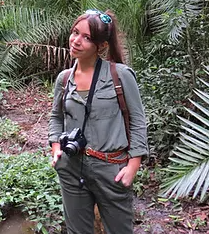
(53, 139)
(137, 153)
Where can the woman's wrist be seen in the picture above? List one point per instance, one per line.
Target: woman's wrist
(55, 147)
(135, 163)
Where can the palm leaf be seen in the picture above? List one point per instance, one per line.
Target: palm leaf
(204, 96)
(206, 185)
(189, 152)
(181, 161)
(177, 169)
(202, 178)
(190, 163)
(196, 142)
(172, 17)
(198, 116)
(195, 126)
(186, 157)
(194, 147)
(28, 31)
(195, 133)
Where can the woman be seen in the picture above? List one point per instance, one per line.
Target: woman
(87, 177)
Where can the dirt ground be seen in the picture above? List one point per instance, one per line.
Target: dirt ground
(30, 108)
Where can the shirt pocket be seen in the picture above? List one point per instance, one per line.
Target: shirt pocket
(105, 105)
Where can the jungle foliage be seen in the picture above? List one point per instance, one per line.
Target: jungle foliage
(168, 44)
(28, 182)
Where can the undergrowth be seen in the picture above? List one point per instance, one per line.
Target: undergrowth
(29, 182)
(10, 131)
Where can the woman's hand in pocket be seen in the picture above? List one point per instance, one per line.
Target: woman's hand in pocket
(126, 174)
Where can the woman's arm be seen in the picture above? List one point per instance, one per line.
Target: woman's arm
(56, 120)
(138, 128)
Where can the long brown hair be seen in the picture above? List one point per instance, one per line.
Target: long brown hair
(101, 32)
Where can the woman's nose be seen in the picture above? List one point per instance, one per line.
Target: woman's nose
(77, 39)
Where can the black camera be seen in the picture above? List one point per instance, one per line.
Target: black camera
(72, 143)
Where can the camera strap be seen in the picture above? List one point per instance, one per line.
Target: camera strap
(88, 109)
(91, 92)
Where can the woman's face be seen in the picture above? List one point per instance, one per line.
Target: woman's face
(81, 46)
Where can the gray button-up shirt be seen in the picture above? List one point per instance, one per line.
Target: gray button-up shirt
(105, 128)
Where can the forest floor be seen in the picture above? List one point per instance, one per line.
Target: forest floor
(30, 108)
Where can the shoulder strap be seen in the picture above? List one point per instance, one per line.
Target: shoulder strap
(121, 99)
(64, 83)
(67, 73)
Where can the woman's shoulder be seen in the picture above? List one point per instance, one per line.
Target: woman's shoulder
(122, 68)
(63, 74)
(125, 71)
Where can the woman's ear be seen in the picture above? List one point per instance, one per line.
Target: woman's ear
(103, 50)
(103, 46)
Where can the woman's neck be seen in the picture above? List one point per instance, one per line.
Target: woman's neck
(84, 73)
(83, 66)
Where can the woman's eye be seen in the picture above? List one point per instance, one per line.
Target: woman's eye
(87, 38)
(75, 32)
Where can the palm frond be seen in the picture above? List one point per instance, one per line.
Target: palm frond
(187, 151)
(204, 96)
(88, 4)
(190, 163)
(33, 25)
(172, 17)
(195, 126)
(52, 54)
(28, 30)
(7, 60)
(194, 147)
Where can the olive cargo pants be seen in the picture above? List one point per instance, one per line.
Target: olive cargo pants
(113, 199)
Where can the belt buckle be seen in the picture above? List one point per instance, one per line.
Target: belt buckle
(87, 151)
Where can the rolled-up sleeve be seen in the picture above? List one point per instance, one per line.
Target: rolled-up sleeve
(138, 127)
(56, 120)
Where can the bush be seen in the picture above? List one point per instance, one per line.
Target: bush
(28, 181)
(8, 129)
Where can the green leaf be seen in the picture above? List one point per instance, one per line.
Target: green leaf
(195, 141)
(206, 185)
(204, 171)
(190, 152)
(180, 161)
(185, 157)
(202, 119)
(44, 231)
(195, 126)
(194, 147)
(39, 226)
(204, 96)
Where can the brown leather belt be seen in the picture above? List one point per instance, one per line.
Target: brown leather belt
(108, 157)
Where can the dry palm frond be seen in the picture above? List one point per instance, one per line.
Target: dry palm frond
(53, 55)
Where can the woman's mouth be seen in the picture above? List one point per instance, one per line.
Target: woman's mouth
(74, 49)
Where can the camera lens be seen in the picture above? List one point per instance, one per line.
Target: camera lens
(72, 148)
